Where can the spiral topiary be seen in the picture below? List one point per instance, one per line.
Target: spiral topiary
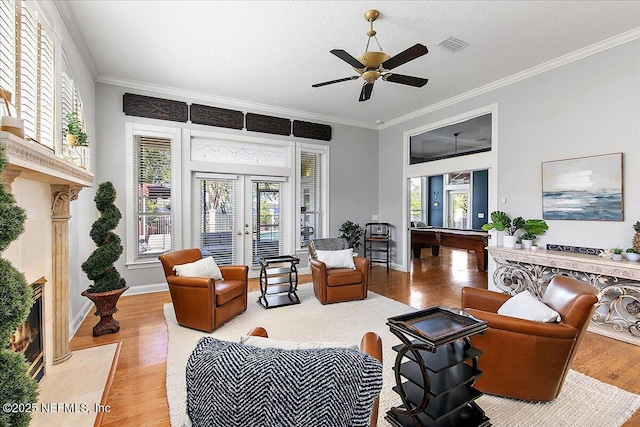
(99, 266)
(16, 385)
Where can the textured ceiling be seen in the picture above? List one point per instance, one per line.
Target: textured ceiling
(266, 53)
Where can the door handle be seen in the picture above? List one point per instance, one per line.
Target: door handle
(239, 233)
(246, 232)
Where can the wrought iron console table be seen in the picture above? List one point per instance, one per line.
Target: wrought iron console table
(618, 281)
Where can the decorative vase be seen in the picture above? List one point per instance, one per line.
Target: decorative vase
(509, 241)
(72, 140)
(12, 125)
(105, 303)
(526, 244)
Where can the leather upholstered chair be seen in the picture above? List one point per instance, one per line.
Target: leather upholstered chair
(337, 284)
(203, 303)
(370, 344)
(524, 359)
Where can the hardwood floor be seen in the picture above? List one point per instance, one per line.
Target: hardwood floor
(138, 395)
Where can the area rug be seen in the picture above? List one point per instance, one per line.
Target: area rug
(347, 322)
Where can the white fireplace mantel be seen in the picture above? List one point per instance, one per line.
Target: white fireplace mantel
(38, 163)
(47, 185)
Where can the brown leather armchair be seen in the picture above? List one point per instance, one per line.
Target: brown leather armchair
(200, 302)
(337, 284)
(524, 359)
(370, 344)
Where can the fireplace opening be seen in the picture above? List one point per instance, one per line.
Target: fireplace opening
(28, 338)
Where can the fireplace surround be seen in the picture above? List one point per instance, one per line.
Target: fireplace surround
(45, 185)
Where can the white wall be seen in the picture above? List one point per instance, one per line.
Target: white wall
(353, 166)
(585, 108)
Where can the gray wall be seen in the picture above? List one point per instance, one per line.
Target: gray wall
(353, 166)
(585, 108)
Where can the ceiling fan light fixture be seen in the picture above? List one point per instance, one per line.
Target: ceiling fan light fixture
(371, 65)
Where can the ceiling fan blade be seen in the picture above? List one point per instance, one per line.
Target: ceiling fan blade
(365, 93)
(405, 80)
(347, 58)
(335, 81)
(403, 57)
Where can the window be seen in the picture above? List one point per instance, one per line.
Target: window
(460, 139)
(153, 216)
(27, 62)
(8, 45)
(152, 202)
(312, 192)
(217, 218)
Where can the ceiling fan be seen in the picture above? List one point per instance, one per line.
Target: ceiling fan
(371, 64)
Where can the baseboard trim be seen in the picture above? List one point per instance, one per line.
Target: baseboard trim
(147, 289)
(74, 325)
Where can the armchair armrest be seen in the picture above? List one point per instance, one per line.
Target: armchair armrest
(482, 299)
(362, 264)
(190, 282)
(258, 331)
(372, 345)
(526, 327)
(318, 265)
(234, 272)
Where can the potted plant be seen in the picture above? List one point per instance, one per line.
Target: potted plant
(353, 233)
(75, 134)
(617, 254)
(502, 222)
(16, 385)
(632, 255)
(532, 229)
(107, 285)
(527, 239)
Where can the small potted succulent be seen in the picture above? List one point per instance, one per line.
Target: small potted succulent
(631, 255)
(617, 254)
(527, 239)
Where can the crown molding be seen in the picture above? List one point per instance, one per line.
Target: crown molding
(224, 102)
(71, 23)
(531, 72)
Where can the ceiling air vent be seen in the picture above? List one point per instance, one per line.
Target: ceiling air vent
(453, 44)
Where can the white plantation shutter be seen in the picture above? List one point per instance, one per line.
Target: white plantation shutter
(27, 68)
(8, 45)
(47, 90)
(28, 76)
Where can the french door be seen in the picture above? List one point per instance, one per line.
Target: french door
(240, 217)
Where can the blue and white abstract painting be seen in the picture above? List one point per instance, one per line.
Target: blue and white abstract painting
(587, 188)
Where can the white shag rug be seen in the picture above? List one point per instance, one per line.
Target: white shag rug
(583, 402)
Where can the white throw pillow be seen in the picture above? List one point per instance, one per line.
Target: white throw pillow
(337, 259)
(288, 345)
(205, 267)
(526, 306)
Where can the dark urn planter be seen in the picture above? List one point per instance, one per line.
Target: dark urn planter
(105, 303)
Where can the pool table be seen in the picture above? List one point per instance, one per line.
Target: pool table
(475, 240)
